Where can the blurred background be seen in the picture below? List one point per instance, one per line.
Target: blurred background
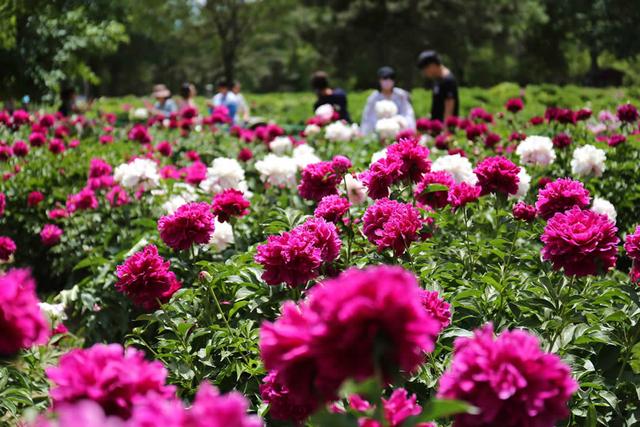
(123, 47)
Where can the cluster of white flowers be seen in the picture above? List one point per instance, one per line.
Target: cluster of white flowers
(388, 128)
(459, 167)
(524, 183)
(138, 173)
(588, 160)
(340, 132)
(536, 150)
(356, 193)
(304, 155)
(54, 312)
(312, 130)
(604, 207)
(325, 112)
(140, 114)
(223, 174)
(279, 171)
(378, 155)
(184, 193)
(386, 109)
(280, 145)
(222, 236)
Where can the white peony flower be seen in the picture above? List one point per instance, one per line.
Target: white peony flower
(54, 312)
(387, 128)
(184, 193)
(304, 155)
(338, 132)
(139, 172)
(140, 114)
(604, 207)
(280, 145)
(312, 130)
(588, 160)
(524, 183)
(223, 174)
(222, 236)
(378, 155)
(356, 193)
(402, 121)
(386, 109)
(325, 112)
(536, 150)
(279, 171)
(459, 167)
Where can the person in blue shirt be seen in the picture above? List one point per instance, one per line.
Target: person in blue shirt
(164, 104)
(337, 97)
(226, 98)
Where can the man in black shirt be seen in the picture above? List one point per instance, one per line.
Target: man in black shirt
(445, 101)
(337, 98)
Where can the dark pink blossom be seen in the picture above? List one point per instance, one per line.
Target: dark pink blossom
(561, 195)
(191, 223)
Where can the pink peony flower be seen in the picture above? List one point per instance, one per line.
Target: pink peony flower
(319, 180)
(413, 158)
(139, 133)
(195, 173)
(491, 139)
(400, 406)
(514, 105)
(341, 164)
(583, 114)
(56, 146)
(57, 213)
(109, 375)
(436, 199)
(561, 140)
(437, 307)
(582, 242)
(632, 244)
(332, 208)
(627, 113)
(21, 321)
(509, 379)
(146, 279)
(524, 212)
(50, 235)
(7, 248)
(391, 224)
(164, 148)
(560, 195)
(5, 152)
(282, 404)
(84, 200)
(347, 328)
(34, 199)
(37, 139)
(20, 149)
(245, 154)
(3, 203)
(117, 196)
(83, 413)
(463, 193)
(380, 176)
(497, 175)
(105, 139)
(211, 409)
(615, 140)
(324, 236)
(192, 223)
(230, 203)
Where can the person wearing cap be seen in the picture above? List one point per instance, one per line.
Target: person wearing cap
(337, 97)
(164, 104)
(445, 102)
(387, 91)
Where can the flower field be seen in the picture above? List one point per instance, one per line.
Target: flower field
(185, 271)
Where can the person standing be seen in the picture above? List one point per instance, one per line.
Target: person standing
(387, 91)
(242, 112)
(225, 98)
(445, 102)
(337, 97)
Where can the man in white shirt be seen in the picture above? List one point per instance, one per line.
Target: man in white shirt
(387, 91)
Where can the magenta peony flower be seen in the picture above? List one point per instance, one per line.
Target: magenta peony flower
(632, 244)
(5, 152)
(37, 139)
(50, 235)
(81, 414)
(117, 196)
(566, 116)
(21, 321)
(380, 176)
(195, 173)
(20, 148)
(99, 168)
(3, 203)
(627, 113)
(509, 379)
(332, 208)
(497, 175)
(164, 148)
(582, 242)
(289, 258)
(56, 146)
(491, 139)
(583, 114)
(319, 180)
(324, 236)
(561, 140)
(34, 199)
(7, 248)
(524, 212)
(615, 140)
(139, 133)
(437, 307)
(84, 200)
(400, 406)
(211, 409)
(230, 203)
(514, 105)
(105, 139)
(109, 375)
(146, 279)
(282, 404)
(560, 195)
(192, 223)
(245, 154)
(463, 193)
(436, 199)
(413, 158)
(347, 327)
(391, 224)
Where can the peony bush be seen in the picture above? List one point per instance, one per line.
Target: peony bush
(186, 271)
